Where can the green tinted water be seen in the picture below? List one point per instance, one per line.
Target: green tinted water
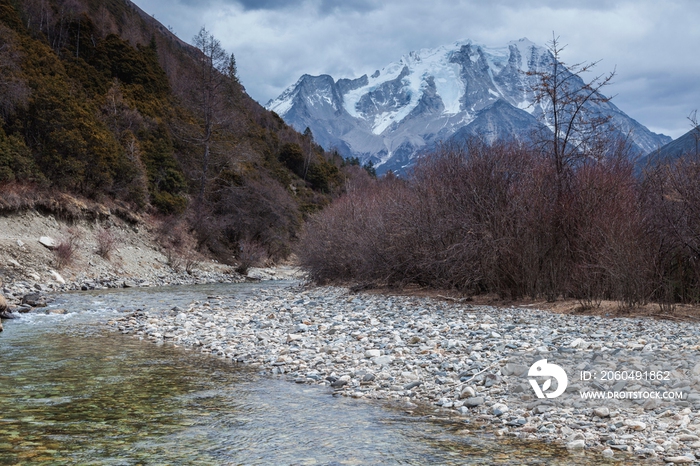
(71, 393)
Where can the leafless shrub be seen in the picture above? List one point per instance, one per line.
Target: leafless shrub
(173, 259)
(497, 218)
(179, 245)
(106, 242)
(672, 205)
(192, 263)
(505, 219)
(250, 254)
(258, 210)
(66, 249)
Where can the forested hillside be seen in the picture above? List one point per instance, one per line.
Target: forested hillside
(99, 100)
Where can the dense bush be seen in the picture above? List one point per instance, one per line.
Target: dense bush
(500, 218)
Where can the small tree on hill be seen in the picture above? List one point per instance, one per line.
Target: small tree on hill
(693, 118)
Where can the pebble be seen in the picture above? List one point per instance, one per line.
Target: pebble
(576, 445)
(476, 401)
(635, 425)
(679, 459)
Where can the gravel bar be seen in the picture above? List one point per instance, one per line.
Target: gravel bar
(474, 361)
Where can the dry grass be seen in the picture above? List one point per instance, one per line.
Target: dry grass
(21, 197)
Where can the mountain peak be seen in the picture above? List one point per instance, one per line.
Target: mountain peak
(427, 96)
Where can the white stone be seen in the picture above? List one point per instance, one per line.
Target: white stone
(48, 242)
(467, 392)
(679, 459)
(499, 407)
(576, 445)
(373, 353)
(635, 425)
(383, 360)
(57, 276)
(696, 369)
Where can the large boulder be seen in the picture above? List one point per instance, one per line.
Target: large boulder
(3, 309)
(34, 300)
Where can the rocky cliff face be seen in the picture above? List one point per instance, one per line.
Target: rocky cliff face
(432, 95)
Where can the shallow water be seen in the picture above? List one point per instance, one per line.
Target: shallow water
(71, 392)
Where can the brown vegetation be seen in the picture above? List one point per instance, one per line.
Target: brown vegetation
(66, 248)
(106, 242)
(494, 219)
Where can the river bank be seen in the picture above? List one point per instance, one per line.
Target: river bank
(106, 253)
(470, 360)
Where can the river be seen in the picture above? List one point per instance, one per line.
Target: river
(72, 392)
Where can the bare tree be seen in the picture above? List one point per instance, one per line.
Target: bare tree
(693, 118)
(566, 102)
(212, 95)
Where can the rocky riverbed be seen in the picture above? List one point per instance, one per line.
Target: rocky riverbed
(24, 295)
(470, 360)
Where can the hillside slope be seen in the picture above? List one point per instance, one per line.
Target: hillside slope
(100, 100)
(686, 145)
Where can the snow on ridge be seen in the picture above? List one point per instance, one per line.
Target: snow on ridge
(422, 65)
(435, 63)
(282, 104)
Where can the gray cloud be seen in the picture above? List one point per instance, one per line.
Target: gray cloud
(321, 6)
(268, 4)
(650, 43)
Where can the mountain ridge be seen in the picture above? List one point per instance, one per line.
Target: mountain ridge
(686, 145)
(430, 95)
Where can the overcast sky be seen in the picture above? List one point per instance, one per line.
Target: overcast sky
(652, 44)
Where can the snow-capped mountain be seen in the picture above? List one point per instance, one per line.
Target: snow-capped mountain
(433, 95)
